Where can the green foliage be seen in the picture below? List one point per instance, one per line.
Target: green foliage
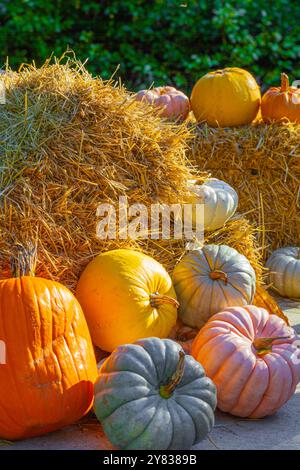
(160, 41)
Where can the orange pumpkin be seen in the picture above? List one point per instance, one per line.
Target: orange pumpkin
(281, 103)
(49, 370)
(173, 103)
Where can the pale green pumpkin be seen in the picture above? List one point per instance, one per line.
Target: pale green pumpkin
(210, 279)
(284, 271)
(150, 396)
(219, 199)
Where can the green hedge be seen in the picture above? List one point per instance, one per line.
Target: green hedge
(160, 41)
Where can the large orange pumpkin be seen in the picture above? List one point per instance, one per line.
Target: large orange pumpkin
(281, 103)
(225, 98)
(47, 377)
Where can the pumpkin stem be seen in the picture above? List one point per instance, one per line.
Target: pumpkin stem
(284, 82)
(219, 275)
(264, 345)
(23, 263)
(167, 390)
(158, 299)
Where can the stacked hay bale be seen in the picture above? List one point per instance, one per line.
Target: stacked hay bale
(262, 163)
(70, 142)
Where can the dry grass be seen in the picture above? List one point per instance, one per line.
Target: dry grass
(238, 233)
(70, 142)
(262, 163)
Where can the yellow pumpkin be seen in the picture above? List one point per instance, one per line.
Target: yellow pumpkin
(126, 295)
(226, 98)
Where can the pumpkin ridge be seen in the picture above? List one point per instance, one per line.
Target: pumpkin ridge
(137, 362)
(151, 359)
(293, 275)
(222, 365)
(154, 365)
(224, 291)
(210, 267)
(128, 372)
(148, 424)
(82, 362)
(285, 271)
(115, 439)
(62, 337)
(238, 290)
(272, 332)
(102, 394)
(240, 327)
(294, 375)
(255, 327)
(286, 362)
(76, 337)
(22, 282)
(242, 390)
(266, 389)
(155, 396)
(187, 416)
(170, 410)
(207, 423)
(191, 297)
(275, 406)
(237, 370)
(233, 329)
(190, 415)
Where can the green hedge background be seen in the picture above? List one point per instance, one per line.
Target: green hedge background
(160, 41)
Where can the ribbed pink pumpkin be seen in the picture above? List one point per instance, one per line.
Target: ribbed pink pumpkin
(251, 357)
(174, 103)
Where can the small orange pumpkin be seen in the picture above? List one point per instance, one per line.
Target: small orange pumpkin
(281, 103)
(173, 103)
(47, 377)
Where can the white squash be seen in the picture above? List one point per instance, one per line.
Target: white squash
(284, 271)
(210, 279)
(220, 202)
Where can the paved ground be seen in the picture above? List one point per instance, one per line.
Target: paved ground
(281, 431)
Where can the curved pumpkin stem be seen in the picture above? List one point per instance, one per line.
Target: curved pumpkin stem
(284, 82)
(167, 390)
(264, 345)
(219, 276)
(23, 263)
(159, 299)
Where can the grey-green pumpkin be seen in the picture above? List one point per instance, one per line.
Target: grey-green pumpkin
(151, 396)
(207, 280)
(284, 271)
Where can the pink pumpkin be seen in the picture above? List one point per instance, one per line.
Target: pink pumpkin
(173, 103)
(251, 357)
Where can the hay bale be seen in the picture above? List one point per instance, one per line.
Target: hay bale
(70, 142)
(262, 163)
(238, 233)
